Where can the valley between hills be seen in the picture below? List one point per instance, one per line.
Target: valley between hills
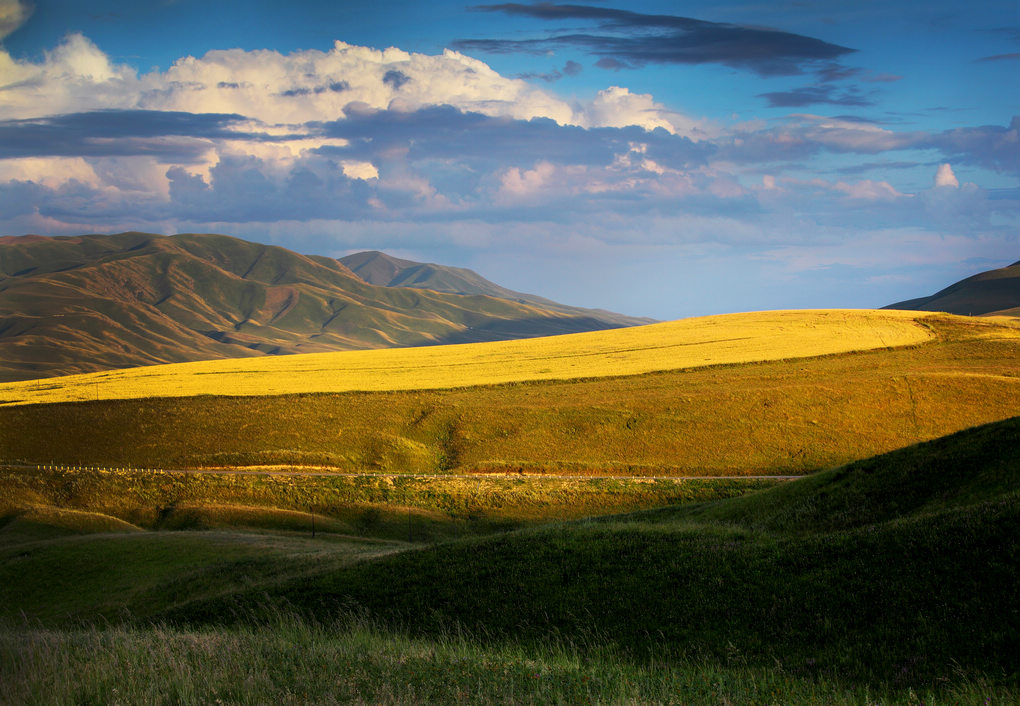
(606, 516)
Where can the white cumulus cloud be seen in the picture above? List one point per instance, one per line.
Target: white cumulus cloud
(618, 107)
(944, 177)
(306, 86)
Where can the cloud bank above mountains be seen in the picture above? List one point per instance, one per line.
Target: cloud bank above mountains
(359, 148)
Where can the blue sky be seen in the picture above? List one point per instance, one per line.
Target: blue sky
(657, 158)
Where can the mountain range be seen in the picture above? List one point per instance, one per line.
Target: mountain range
(94, 302)
(87, 303)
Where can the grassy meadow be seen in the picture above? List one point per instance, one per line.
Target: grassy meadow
(687, 343)
(604, 525)
(781, 417)
(891, 580)
(902, 585)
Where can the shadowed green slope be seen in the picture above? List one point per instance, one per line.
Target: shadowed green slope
(86, 303)
(900, 569)
(905, 593)
(972, 466)
(111, 575)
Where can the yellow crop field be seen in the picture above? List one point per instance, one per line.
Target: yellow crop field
(686, 343)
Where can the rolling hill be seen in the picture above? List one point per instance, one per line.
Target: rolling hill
(890, 580)
(687, 398)
(878, 579)
(687, 343)
(991, 293)
(899, 568)
(96, 302)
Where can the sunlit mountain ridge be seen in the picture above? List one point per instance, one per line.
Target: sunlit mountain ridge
(96, 302)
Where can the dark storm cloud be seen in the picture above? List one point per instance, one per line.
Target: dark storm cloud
(811, 95)
(116, 133)
(630, 39)
(572, 68)
(444, 132)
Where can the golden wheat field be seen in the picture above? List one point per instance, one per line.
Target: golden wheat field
(686, 343)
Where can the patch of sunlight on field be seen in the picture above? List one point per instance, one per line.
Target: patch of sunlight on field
(686, 343)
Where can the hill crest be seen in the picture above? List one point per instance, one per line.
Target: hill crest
(990, 293)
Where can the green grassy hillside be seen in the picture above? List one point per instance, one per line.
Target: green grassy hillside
(891, 594)
(109, 575)
(889, 575)
(961, 470)
(43, 503)
(890, 580)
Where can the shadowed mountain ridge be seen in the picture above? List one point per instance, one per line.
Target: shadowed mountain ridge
(992, 293)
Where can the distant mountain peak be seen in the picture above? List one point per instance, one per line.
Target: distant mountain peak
(375, 267)
(384, 270)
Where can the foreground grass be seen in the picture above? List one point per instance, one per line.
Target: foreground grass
(114, 576)
(898, 604)
(295, 662)
(715, 340)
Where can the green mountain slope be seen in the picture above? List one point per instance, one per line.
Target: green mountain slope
(996, 292)
(386, 271)
(95, 302)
